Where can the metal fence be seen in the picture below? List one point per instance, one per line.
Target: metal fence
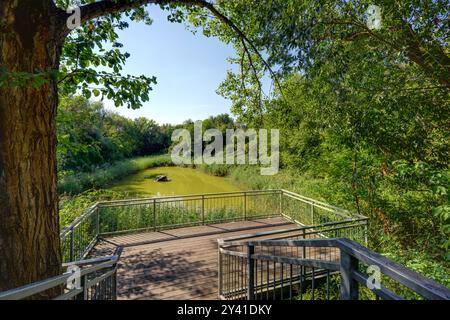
(154, 214)
(314, 268)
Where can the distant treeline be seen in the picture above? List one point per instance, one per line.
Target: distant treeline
(89, 136)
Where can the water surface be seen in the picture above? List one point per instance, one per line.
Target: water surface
(182, 181)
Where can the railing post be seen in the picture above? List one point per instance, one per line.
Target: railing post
(82, 295)
(304, 247)
(98, 221)
(85, 289)
(71, 253)
(154, 214)
(366, 233)
(281, 203)
(203, 209)
(312, 213)
(219, 258)
(250, 272)
(349, 286)
(114, 284)
(245, 205)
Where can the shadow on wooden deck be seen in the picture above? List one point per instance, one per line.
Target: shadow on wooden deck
(178, 263)
(158, 274)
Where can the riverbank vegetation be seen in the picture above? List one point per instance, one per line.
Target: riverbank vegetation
(97, 147)
(104, 176)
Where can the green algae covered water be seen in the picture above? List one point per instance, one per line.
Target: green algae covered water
(181, 181)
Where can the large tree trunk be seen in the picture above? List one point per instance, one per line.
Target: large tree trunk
(29, 222)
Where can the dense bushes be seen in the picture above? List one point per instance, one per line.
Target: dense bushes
(421, 251)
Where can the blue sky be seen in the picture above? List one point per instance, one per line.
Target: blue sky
(188, 67)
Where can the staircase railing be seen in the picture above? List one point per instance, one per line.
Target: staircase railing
(90, 279)
(324, 269)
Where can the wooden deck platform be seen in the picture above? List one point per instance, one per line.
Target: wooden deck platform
(178, 263)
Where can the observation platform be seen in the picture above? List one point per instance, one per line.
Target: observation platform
(249, 245)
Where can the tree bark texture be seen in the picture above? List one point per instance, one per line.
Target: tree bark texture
(29, 222)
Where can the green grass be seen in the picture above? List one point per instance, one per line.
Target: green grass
(174, 213)
(219, 170)
(102, 178)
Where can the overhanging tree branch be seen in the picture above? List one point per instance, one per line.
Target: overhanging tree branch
(241, 35)
(431, 57)
(105, 7)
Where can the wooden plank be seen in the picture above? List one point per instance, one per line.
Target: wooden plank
(209, 241)
(189, 290)
(191, 232)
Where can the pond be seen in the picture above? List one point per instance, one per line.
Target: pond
(181, 181)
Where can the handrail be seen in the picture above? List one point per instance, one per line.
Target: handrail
(78, 220)
(322, 203)
(92, 208)
(349, 258)
(289, 230)
(427, 288)
(325, 243)
(318, 204)
(266, 191)
(97, 264)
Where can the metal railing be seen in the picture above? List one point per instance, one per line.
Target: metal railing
(98, 276)
(158, 213)
(315, 269)
(90, 279)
